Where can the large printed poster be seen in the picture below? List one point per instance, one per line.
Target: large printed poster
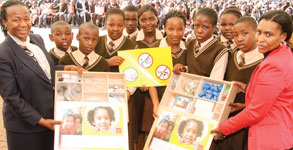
(191, 107)
(92, 107)
(149, 67)
(180, 131)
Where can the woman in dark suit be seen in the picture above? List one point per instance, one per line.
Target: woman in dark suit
(26, 82)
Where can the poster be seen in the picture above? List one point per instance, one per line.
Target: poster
(175, 131)
(149, 67)
(93, 109)
(191, 107)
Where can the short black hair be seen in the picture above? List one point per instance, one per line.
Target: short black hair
(183, 124)
(281, 18)
(59, 23)
(131, 8)
(87, 25)
(249, 20)
(174, 13)
(3, 12)
(145, 8)
(232, 10)
(209, 12)
(115, 11)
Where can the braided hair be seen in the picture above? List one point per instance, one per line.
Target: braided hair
(208, 12)
(3, 12)
(174, 13)
(232, 10)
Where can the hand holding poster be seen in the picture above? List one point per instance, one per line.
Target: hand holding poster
(148, 67)
(191, 107)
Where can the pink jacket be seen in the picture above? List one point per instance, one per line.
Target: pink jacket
(269, 104)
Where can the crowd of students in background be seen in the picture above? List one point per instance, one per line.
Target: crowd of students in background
(75, 12)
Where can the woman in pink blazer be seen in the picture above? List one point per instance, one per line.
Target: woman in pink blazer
(269, 95)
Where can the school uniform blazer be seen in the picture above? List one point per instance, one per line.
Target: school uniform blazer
(27, 92)
(269, 104)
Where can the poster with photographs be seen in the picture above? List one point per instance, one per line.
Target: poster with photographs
(93, 109)
(175, 131)
(191, 107)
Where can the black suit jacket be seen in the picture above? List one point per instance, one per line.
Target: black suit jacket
(27, 93)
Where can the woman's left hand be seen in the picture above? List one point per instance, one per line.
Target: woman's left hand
(218, 135)
(74, 68)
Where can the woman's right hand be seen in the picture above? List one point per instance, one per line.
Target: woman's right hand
(241, 86)
(49, 123)
(179, 68)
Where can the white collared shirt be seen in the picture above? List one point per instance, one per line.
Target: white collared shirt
(224, 40)
(61, 53)
(140, 35)
(206, 42)
(38, 53)
(131, 35)
(250, 57)
(79, 57)
(116, 42)
(164, 43)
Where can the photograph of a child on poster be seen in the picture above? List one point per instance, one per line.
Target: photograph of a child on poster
(103, 119)
(72, 123)
(184, 133)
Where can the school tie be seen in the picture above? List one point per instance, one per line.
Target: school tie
(128, 36)
(111, 46)
(242, 60)
(197, 47)
(86, 62)
(228, 44)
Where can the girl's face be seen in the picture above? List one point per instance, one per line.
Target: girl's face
(162, 127)
(68, 122)
(226, 23)
(148, 21)
(115, 26)
(269, 35)
(244, 36)
(175, 30)
(190, 133)
(203, 28)
(18, 21)
(102, 120)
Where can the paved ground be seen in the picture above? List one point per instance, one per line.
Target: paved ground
(3, 145)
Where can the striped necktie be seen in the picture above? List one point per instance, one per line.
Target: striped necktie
(111, 46)
(242, 60)
(228, 44)
(86, 62)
